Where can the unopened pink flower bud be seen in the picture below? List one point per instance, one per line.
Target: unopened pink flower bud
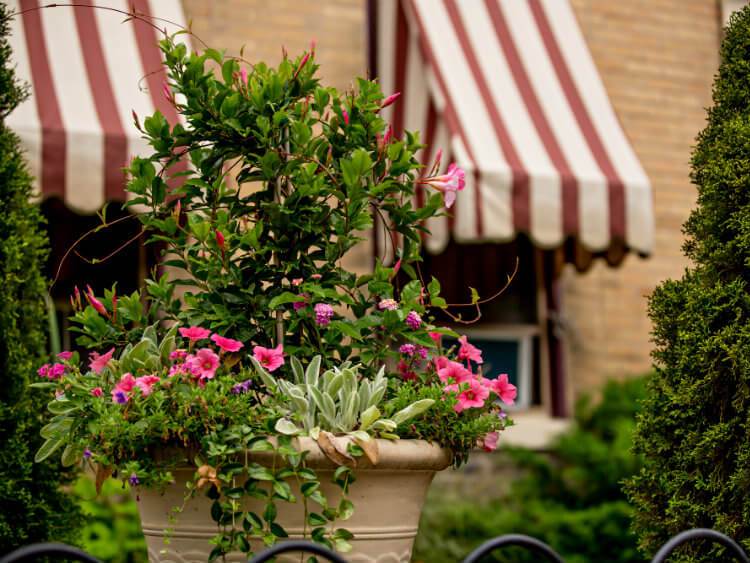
(95, 303)
(243, 75)
(345, 115)
(390, 99)
(302, 63)
(220, 239)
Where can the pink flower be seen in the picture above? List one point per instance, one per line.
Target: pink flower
(302, 63)
(453, 371)
(472, 397)
(323, 314)
(204, 363)
(97, 363)
(296, 282)
(316, 276)
(449, 183)
(243, 75)
(407, 349)
(436, 337)
(119, 396)
(269, 358)
(195, 333)
(413, 320)
(422, 352)
(65, 355)
(345, 115)
(406, 372)
(220, 241)
(469, 352)
(300, 304)
(441, 362)
(95, 303)
(178, 354)
(56, 371)
(388, 305)
(489, 444)
(390, 99)
(388, 137)
(127, 382)
(503, 388)
(227, 344)
(97, 392)
(146, 384)
(44, 370)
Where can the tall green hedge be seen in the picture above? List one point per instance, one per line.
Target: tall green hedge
(694, 430)
(32, 506)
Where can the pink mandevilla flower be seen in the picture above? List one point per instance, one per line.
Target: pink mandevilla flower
(436, 337)
(270, 358)
(43, 371)
(146, 384)
(194, 333)
(98, 362)
(503, 388)
(65, 355)
(449, 183)
(390, 99)
(469, 352)
(473, 397)
(226, 344)
(56, 371)
(489, 444)
(204, 363)
(453, 372)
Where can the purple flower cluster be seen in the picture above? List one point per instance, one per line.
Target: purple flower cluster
(242, 387)
(413, 320)
(323, 314)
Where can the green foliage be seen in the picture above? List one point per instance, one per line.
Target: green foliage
(112, 531)
(32, 506)
(569, 497)
(695, 428)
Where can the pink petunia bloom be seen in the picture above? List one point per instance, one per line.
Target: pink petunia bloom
(95, 303)
(127, 382)
(56, 371)
(473, 397)
(489, 444)
(204, 363)
(119, 396)
(388, 305)
(97, 363)
(323, 314)
(65, 355)
(97, 392)
(469, 352)
(44, 370)
(503, 388)
(226, 344)
(146, 384)
(449, 183)
(269, 358)
(195, 333)
(390, 99)
(441, 362)
(455, 372)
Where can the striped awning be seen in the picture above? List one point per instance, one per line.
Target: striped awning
(509, 90)
(89, 70)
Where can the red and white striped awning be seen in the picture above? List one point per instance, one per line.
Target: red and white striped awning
(509, 90)
(88, 70)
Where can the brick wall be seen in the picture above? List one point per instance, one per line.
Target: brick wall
(656, 58)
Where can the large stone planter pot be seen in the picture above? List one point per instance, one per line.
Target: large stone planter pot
(387, 499)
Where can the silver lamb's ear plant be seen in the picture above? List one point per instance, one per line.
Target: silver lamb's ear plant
(334, 404)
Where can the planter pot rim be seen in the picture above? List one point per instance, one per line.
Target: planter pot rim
(408, 455)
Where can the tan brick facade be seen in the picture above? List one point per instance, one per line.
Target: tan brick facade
(657, 59)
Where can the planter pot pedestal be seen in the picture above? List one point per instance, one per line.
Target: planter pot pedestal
(387, 499)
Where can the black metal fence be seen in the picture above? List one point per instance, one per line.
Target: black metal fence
(36, 552)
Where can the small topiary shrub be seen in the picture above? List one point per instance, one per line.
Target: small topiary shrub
(32, 506)
(694, 430)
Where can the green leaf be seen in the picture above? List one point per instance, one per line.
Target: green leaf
(315, 519)
(346, 509)
(283, 299)
(260, 473)
(286, 426)
(416, 408)
(47, 449)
